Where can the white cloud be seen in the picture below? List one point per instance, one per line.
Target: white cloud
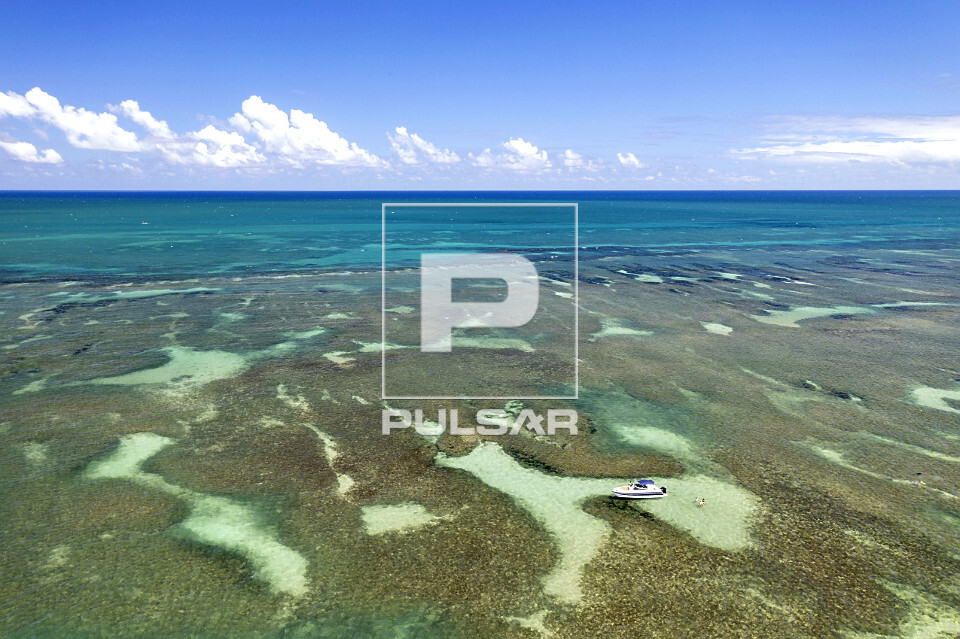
(294, 138)
(299, 137)
(84, 129)
(576, 162)
(410, 147)
(896, 140)
(26, 152)
(209, 146)
(15, 105)
(630, 160)
(123, 167)
(521, 156)
(155, 127)
(223, 148)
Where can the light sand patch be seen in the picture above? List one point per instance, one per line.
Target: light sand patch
(735, 277)
(655, 439)
(400, 310)
(35, 338)
(760, 285)
(35, 453)
(58, 557)
(563, 294)
(326, 396)
(533, 622)
(375, 347)
(226, 524)
(209, 414)
(722, 522)
(614, 327)
(919, 450)
(33, 387)
(936, 398)
(405, 517)
(344, 482)
(313, 332)
(186, 370)
(716, 329)
(639, 424)
(497, 343)
(763, 378)
(299, 402)
(126, 460)
(29, 322)
(215, 521)
(802, 313)
(360, 400)
(87, 298)
(232, 317)
(647, 278)
(555, 503)
(339, 316)
(339, 357)
(911, 304)
(836, 457)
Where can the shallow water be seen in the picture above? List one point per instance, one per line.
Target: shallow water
(192, 446)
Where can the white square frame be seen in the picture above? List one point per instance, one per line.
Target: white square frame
(383, 293)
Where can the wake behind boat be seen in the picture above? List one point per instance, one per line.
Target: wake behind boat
(640, 489)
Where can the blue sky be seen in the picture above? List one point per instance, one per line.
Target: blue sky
(612, 95)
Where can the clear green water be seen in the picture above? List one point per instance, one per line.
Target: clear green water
(190, 419)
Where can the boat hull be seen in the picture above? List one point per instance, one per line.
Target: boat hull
(639, 494)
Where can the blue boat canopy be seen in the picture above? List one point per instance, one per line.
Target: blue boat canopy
(646, 482)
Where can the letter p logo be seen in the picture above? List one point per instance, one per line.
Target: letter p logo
(439, 313)
(478, 301)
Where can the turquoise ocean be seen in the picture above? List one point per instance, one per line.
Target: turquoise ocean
(190, 418)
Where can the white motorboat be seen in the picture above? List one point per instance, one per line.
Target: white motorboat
(640, 489)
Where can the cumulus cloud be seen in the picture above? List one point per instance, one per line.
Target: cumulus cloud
(101, 131)
(84, 129)
(26, 152)
(153, 126)
(410, 147)
(296, 138)
(630, 160)
(573, 161)
(521, 156)
(15, 105)
(896, 140)
(223, 148)
(299, 137)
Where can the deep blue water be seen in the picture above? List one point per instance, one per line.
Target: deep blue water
(177, 234)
